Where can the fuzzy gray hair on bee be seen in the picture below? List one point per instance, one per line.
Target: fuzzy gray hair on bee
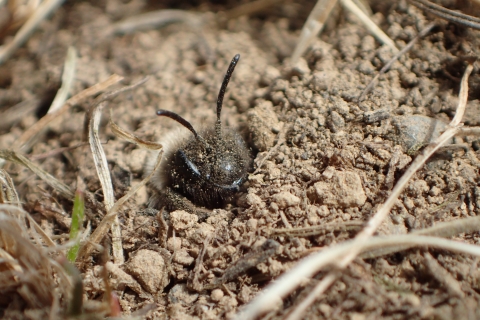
(207, 168)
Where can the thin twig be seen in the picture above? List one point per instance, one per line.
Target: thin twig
(42, 12)
(307, 267)
(101, 165)
(250, 8)
(155, 19)
(54, 152)
(18, 158)
(27, 137)
(312, 27)
(397, 56)
(450, 15)
(369, 24)
(280, 140)
(68, 76)
(105, 224)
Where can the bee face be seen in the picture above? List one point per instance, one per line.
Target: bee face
(210, 176)
(206, 168)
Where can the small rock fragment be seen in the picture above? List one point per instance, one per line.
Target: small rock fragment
(336, 122)
(182, 257)
(414, 132)
(148, 268)
(216, 295)
(285, 199)
(174, 244)
(375, 116)
(253, 200)
(343, 189)
(180, 294)
(263, 125)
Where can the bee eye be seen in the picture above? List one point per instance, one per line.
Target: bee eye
(188, 164)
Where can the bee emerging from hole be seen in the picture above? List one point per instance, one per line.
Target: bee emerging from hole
(207, 168)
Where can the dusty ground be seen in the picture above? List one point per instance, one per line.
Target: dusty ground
(325, 158)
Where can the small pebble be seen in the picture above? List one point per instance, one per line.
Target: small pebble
(216, 295)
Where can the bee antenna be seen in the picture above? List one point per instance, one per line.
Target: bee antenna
(182, 121)
(221, 94)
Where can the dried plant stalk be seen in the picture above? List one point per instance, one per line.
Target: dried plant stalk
(127, 136)
(28, 270)
(42, 12)
(369, 24)
(104, 225)
(397, 56)
(312, 27)
(58, 186)
(319, 15)
(303, 270)
(68, 76)
(101, 165)
(102, 169)
(28, 136)
(155, 19)
(8, 194)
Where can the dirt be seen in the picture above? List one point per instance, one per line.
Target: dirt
(320, 156)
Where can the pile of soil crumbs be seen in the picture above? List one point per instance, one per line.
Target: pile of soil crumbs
(323, 159)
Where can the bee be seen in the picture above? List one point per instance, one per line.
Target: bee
(205, 168)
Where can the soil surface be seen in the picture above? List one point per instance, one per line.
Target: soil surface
(321, 158)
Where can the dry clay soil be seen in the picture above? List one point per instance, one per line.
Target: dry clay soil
(321, 158)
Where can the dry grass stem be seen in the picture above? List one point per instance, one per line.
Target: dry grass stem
(450, 15)
(443, 276)
(293, 278)
(104, 225)
(298, 311)
(250, 8)
(18, 158)
(369, 24)
(28, 269)
(397, 56)
(470, 131)
(13, 115)
(462, 97)
(155, 19)
(103, 172)
(8, 194)
(68, 77)
(41, 13)
(316, 230)
(281, 139)
(34, 131)
(101, 165)
(112, 208)
(443, 229)
(312, 27)
(319, 15)
(127, 136)
(54, 152)
(309, 266)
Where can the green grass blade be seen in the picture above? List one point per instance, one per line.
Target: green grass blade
(77, 220)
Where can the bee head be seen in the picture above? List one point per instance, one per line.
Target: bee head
(210, 168)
